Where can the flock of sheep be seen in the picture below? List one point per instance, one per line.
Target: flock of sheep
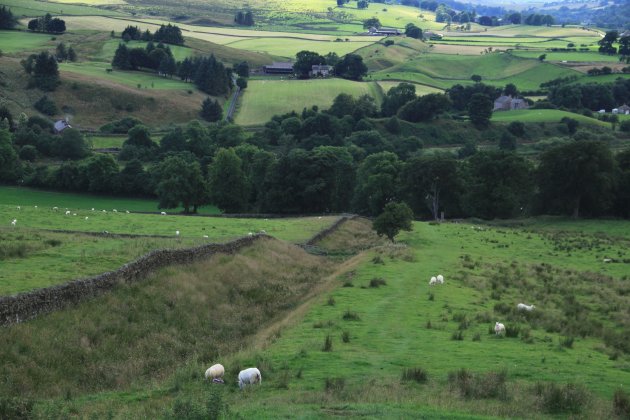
(499, 328)
(249, 376)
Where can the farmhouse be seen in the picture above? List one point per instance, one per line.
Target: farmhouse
(61, 125)
(322, 70)
(279, 68)
(384, 31)
(507, 103)
(624, 109)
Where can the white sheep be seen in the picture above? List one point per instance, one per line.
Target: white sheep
(19, 208)
(74, 214)
(55, 208)
(215, 371)
(14, 222)
(86, 217)
(35, 206)
(249, 376)
(250, 234)
(163, 213)
(433, 281)
(205, 236)
(92, 208)
(499, 328)
(440, 279)
(67, 212)
(607, 260)
(177, 233)
(104, 211)
(127, 211)
(263, 231)
(523, 307)
(115, 211)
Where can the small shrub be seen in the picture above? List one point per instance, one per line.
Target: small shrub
(327, 343)
(556, 399)
(502, 308)
(186, 409)
(378, 260)
(621, 404)
(377, 282)
(512, 331)
(331, 301)
(486, 385)
(345, 336)
(52, 242)
(567, 342)
(46, 106)
(334, 384)
(351, 316)
(415, 374)
(457, 335)
(348, 284)
(429, 326)
(216, 407)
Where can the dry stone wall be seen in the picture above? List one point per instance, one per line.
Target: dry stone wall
(24, 306)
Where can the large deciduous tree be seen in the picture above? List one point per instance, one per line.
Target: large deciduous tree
(480, 110)
(576, 178)
(396, 97)
(229, 189)
(180, 182)
(378, 182)
(351, 67)
(304, 62)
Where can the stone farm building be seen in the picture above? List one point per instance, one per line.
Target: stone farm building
(322, 70)
(279, 68)
(384, 31)
(507, 103)
(61, 125)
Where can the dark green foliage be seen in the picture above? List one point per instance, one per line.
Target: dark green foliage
(397, 97)
(16, 408)
(210, 76)
(45, 71)
(516, 128)
(507, 142)
(621, 404)
(457, 335)
(460, 96)
(377, 282)
(351, 316)
(245, 19)
(605, 44)
(7, 20)
(121, 58)
(377, 182)
(412, 31)
(334, 385)
(425, 108)
(480, 110)
(372, 22)
(169, 34)
(28, 153)
(46, 106)
(345, 336)
(71, 145)
(9, 164)
(48, 24)
(572, 124)
(351, 67)
(576, 178)
(394, 218)
(5, 114)
(241, 83)
(418, 375)
(186, 409)
(242, 69)
(132, 32)
(121, 126)
(328, 345)
(180, 182)
(229, 189)
(211, 110)
(558, 399)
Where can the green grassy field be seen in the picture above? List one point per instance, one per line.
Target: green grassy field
(265, 98)
(375, 332)
(420, 89)
(101, 142)
(13, 41)
(568, 56)
(38, 8)
(143, 80)
(543, 115)
(288, 47)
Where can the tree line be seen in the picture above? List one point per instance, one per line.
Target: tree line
(167, 34)
(47, 23)
(340, 159)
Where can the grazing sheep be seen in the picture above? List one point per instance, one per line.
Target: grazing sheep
(19, 208)
(127, 211)
(215, 372)
(607, 260)
(163, 213)
(86, 217)
(14, 222)
(35, 206)
(249, 376)
(250, 234)
(523, 307)
(205, 236)
(67, 212)
(104, 211)
(115, 211)
(55, 208)
(92, 208)
(433, 281)
(263, 231)
(177, 233)
(499, 328)
(440, 279)
(74, 214)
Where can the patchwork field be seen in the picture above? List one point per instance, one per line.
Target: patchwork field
(38, 8)
(543, 115)
(265, 98)
(12, 41)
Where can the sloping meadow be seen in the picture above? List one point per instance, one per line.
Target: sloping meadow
(141, 333)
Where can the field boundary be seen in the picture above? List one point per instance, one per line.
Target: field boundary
(24, 306)
(329, 230)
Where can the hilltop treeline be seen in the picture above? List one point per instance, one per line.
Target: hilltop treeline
(341, 159)
(168, 34)
(207, 73)
(47, 23)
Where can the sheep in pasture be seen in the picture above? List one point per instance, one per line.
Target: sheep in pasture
(250, 234)
(607, 260)
(55, 208)
(249, 376)
(215, 372)
(74, 214)
(440, 279)
(86, 217)
(499, 328)
(19, 208)
(177, 233)
(115, 211)
(127, 211)
(163, 213)
(104, 211)
(35, 206)
(67, 212)
(14, 222)
(433, 281)
(92, 208)
(205, 236)
(523, 307)
(263, 231)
